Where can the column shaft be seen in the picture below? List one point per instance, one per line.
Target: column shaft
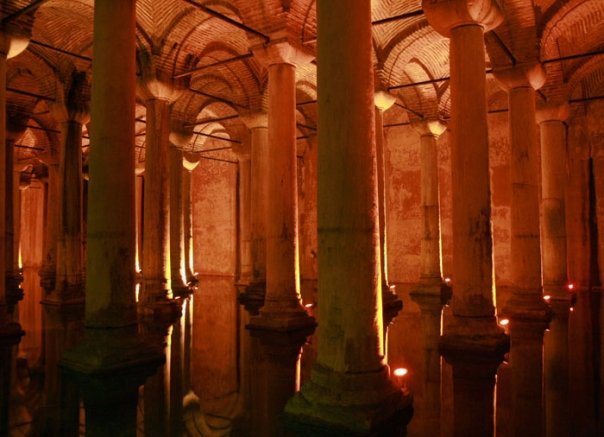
(245, 256)
(349, 374)
(381, 187)
(156, 241)
(472, 242)
(13, 275)
(554, 260)
(69, 279)
(177, 236)
(110, 251)
(51, 228)
(259, 197)
(527, 311)
(431, 245)
(188, 226)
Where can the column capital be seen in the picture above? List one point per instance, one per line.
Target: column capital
(156, 84)
(524, 75)
(190, 160)
(181, 138)
(255, 119)
(73, 100)
(554, 111)
(13, 41)
(242, 151)
(383, 100)
(434, 128)
(282, 51)
(446, 15)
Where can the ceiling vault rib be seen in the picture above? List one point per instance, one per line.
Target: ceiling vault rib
(30, 7)
(214, 64)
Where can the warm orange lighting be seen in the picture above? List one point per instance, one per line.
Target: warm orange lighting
(309, 305)
(504, 322)
(547, 298)
(447, 280)
(400, 372)
(571, 286)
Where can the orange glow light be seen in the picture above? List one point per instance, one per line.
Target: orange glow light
(571, 286)
(504, 322)
(400, 372)
(547, 297)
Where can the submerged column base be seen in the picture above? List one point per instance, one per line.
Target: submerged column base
(346, 404)
(112, 349)
(391, 304)
(474, 347)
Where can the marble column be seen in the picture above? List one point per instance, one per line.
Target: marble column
(282, 308)
(11, 44)
(555, 277)
(253, 296)
(110, 309)
(391, 303)
(189, 163)
(432, 292)
(244, 181)
(527, 311)
(156, 292)
(472, 342)
(51, 221)
(71, 114)
(350, 390)
(177, 234)
(14, 278)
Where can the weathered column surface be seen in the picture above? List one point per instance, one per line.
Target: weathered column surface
(473, 343)
(51, 220)
(253, 296)
(282, 308)
(159, 94)
(71, 113)
(391, 303)
(350, 390)
(14, 292)
(245, 256)
(432, 292)
(189, 163)
(555, 279)
(177, 233)
(111, 342)
(528, 313)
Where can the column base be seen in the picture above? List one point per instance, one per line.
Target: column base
(192, 279)
(47, 280)
(14, 292)
(391, 304)
(474, 347)
(109, 350)
(282, 319)
(10, 334)
(432, 291)
(346, 404)
(252, 298)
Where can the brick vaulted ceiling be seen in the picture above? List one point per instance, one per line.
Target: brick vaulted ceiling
(182, 36)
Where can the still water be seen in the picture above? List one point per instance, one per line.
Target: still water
(216, 378)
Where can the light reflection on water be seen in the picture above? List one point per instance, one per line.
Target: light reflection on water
(205, 387)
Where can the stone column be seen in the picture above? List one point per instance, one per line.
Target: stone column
(11, 44)
(282, 304)
(253, 297)
(528, 313)
(14, 292)
(472, 343)
(350, 390)
(190, 163)
(432, 292)
(159, 94)
(177, 234)
(555, 280)
(71, 114)
(111, 343)
(51, 222)
(245, 254)
(391, 303)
